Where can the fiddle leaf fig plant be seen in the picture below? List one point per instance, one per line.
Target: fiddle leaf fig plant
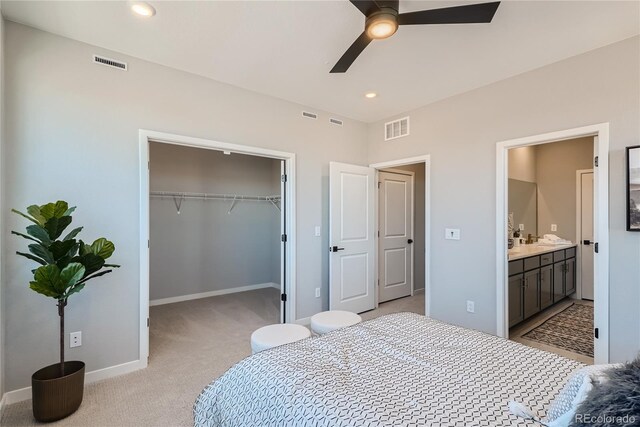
(66, 264)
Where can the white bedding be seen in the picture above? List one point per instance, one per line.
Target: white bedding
(397, 370)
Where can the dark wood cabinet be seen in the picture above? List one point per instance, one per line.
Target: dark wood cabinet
(539, 281)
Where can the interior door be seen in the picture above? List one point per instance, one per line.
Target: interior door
(283, 242)
(586, 235)
(395, 260)
(352, 237)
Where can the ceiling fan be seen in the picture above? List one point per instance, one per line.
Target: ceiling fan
(382, 21)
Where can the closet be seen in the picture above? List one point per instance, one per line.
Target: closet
(215, 228)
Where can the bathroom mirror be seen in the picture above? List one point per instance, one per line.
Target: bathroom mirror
(523, 202)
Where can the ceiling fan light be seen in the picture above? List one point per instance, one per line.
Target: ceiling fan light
(381, 26)
(143, 9)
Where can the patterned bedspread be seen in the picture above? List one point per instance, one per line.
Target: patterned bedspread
(397, 370)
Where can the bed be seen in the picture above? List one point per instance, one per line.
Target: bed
(402, 369)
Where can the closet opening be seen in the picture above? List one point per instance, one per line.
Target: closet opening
(216, 220)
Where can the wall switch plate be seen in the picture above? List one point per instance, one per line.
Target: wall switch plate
(75, 339)
(521, 227)
(554, 227)
(452, 233)
(471, 306)
(317, 231)
(317, 292)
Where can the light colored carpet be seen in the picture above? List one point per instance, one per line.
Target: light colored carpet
(191, 343)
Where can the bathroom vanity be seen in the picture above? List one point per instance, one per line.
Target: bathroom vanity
(539, 276)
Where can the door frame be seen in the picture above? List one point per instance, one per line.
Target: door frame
(413, 221)
(601, 227)
(426, 159)
(145, 137)
(579, 174)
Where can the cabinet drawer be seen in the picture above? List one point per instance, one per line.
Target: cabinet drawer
(546, 259)
(570, 253)
(558, 256)
(515, 267)
(531, 263)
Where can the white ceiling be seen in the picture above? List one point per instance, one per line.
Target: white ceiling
(286, 48)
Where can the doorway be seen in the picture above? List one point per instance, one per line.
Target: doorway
(355, 247)
(285, 219)
(563, 266)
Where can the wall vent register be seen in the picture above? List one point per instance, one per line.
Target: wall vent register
(396, 129)
(335, 121)
(108, 62)
(309, 115)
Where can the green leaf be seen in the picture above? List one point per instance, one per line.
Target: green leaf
(39, 288)
(102, 273)
(63, 262)
(111, 265)
(103, 248)
(55, 226)
(24, 215)
(75, 289)
(73, 233)
(34, 211)
(92, 263)
(72, 274)
(54, 210)
(48, 277)
(40, 251)
(61, 248)
(69, 211)
(25, 236)
(84, 249)
(39, 233)
(33, 258)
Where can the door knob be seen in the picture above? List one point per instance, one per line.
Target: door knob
(410, 241)
(586, 242)
(335, 249)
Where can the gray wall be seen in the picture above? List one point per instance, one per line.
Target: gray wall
(418, 215)
(522, 164)
(203, 248)
(461, 134)
(556, 168)
(72, 133)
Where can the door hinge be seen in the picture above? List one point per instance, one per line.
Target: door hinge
(283, 178)
(283, 297)
(149, 165)
(378, 233)
(596, 333)
(148, 243)
(595, 161)
(379, 184)
(595, 247)
(378, 282)
(283, 238)
(147, 322)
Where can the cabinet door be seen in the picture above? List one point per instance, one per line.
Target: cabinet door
(558, 281)
(570, 276)
(515, 299)
(531, 293)
(546, 286)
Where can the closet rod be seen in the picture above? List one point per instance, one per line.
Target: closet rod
(207, 196)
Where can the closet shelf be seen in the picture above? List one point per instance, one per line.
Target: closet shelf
(178, 197)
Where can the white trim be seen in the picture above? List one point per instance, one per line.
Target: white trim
(579, 174)
(290, 167)
(200, 295)
(426, 159)
(601, 227)
(22, 394)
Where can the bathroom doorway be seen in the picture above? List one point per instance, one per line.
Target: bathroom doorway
(540, 242)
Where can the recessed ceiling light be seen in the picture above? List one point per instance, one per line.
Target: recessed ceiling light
(143, 9)
(370, 95)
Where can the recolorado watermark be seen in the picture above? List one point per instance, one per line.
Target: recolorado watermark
(606, 419)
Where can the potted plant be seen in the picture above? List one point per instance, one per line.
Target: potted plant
(66, 265)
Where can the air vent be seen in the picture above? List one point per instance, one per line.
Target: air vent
(396, 129)
(108, 62)
(309, 115)
(335, 121)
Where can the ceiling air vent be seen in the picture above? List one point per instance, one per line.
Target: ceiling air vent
(335, 121)
(309, 115)
(396, 129)
(108, 62)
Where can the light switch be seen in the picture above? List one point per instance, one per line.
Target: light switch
(521, 227)
(452, 233)
(317, 231)
(554, 227)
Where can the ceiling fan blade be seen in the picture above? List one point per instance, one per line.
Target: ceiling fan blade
(365, 6)
(351, 54)
(467, 14)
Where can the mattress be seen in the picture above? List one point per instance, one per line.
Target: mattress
(402, 369)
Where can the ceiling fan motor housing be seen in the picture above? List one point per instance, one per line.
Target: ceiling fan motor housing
(382, 24)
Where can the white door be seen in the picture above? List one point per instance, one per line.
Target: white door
(283, 242)
(352, 238)
(395, 260)
(586, 234)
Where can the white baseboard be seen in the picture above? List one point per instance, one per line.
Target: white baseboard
(21, 394)
(212, 293)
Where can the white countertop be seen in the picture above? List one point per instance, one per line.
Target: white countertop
(524, 251)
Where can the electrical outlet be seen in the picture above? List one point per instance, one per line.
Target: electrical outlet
(317, 292)
(471, 306)
(317, 231)
(75, 339)
(452, 233)
(521, 227)
(554, 227)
